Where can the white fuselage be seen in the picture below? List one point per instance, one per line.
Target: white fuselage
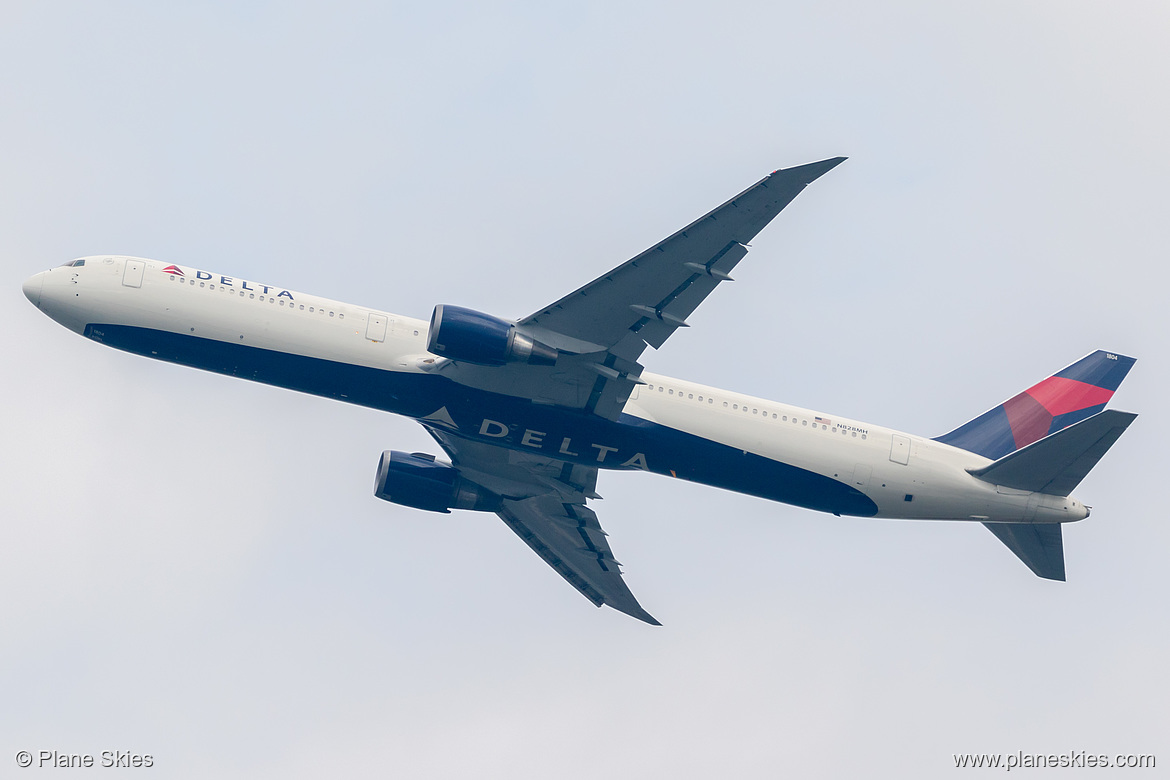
(373, 358)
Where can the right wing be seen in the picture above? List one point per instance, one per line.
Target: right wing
(569, 539)
(544, 504)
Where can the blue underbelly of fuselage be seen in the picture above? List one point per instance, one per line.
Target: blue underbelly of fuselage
(627, 443)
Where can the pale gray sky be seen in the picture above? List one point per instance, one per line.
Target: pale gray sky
(196, 568)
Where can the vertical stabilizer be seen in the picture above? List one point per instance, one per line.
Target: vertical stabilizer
(1068, 396)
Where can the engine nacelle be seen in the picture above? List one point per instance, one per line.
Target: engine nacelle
(473, 337)
(418, 480)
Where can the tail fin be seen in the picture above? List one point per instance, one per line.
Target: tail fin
(1068, 396)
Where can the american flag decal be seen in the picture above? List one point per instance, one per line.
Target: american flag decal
(823, 420)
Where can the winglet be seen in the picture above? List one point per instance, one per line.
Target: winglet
(810, 172)
(629, 606)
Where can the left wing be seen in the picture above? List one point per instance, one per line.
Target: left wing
(544, 503)
(646, 299)
(601, 330)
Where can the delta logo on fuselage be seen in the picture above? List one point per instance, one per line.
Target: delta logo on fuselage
(541, 440)
(227, 281)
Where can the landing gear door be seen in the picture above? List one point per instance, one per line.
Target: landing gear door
(132, 277)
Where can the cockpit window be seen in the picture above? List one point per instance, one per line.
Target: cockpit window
(75, 263)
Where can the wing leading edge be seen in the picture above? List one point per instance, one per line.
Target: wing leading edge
(646, 299)
(543, 502)
(602, 329)
(569, 539)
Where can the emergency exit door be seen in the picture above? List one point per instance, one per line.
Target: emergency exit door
(376, 327)
(900, 450)
(132, 276)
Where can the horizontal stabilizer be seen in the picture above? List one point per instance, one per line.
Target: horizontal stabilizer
(1057, 463)
(1040, 546)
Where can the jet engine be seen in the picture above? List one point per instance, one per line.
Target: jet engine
(473, 337)
(419, 480)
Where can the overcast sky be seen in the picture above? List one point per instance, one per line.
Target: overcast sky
(195, 567)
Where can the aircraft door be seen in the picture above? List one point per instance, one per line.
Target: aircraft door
(132, 276)
(900, 450)
(376, 327)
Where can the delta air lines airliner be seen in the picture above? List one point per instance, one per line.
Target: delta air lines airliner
(529, 411)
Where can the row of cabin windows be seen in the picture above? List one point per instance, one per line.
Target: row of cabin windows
(269, 298)
(754, 410)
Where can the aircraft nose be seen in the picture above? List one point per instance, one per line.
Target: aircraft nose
(32, 288)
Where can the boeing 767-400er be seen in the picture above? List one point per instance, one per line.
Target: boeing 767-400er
(529, 411)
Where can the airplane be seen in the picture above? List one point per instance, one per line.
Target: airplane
(529, 411)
